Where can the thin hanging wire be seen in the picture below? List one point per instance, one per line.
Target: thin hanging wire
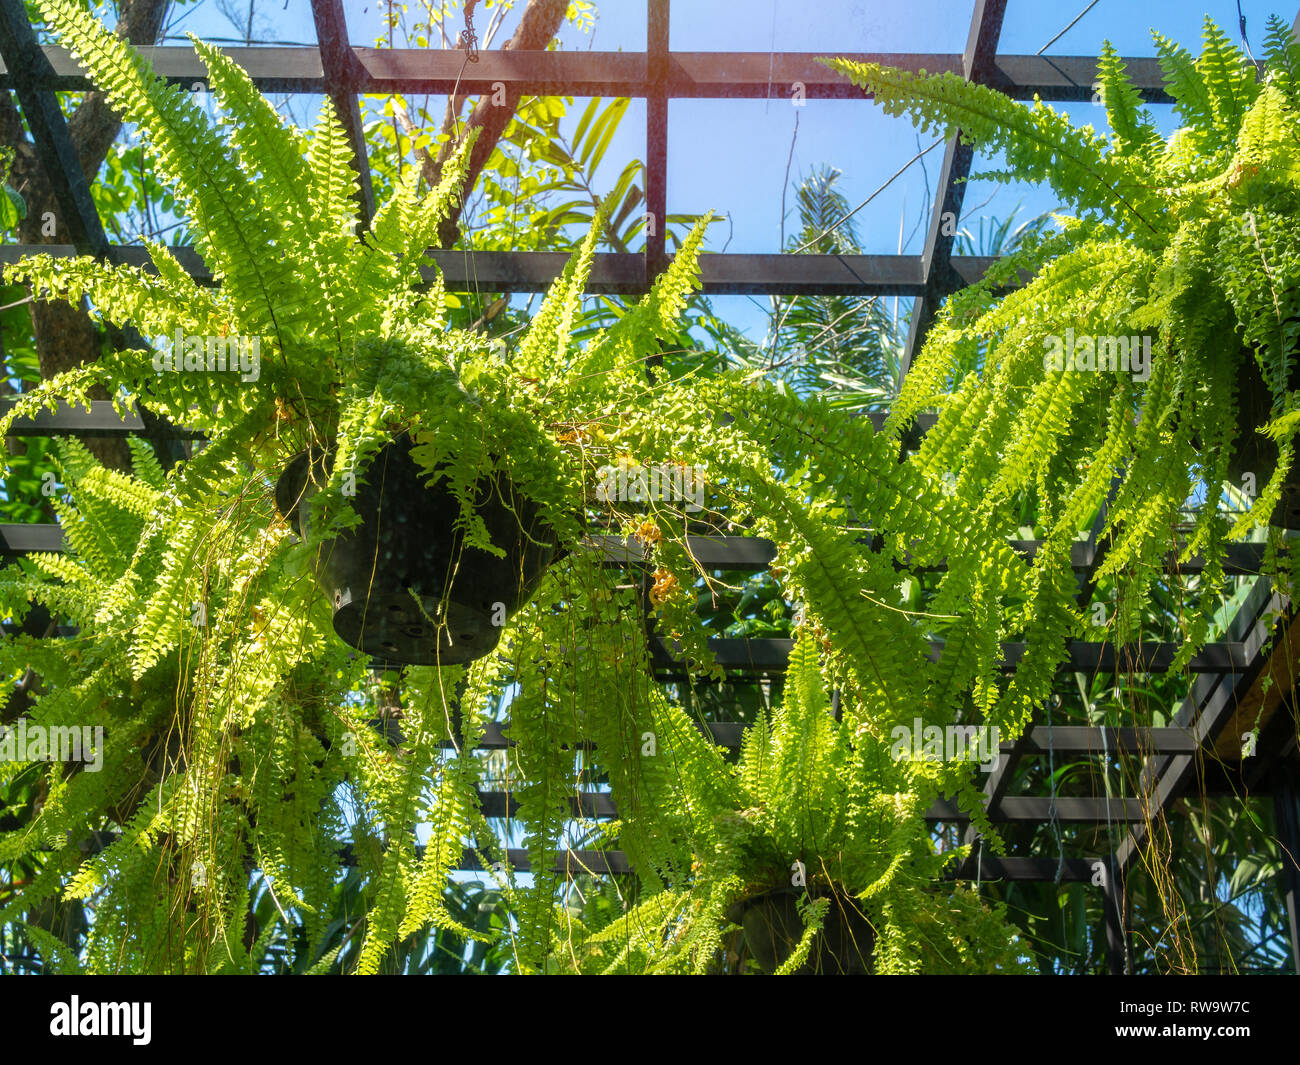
(1073, 22)
(467, 39)
(892, 178)
(1241, 24)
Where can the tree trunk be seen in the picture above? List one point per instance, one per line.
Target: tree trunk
(66, 336)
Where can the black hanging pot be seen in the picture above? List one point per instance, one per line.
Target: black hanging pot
(407, 548)
(1253, 452)
(773, 929)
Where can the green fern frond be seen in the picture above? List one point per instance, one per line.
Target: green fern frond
(1039, 144)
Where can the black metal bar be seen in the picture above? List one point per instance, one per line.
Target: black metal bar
(656, 137)
(943, 224)
(101, 419)
(1015, 809)
(572, 862)
(1286, 807)
(615, 862)
(345, 77)
(769, 655)
(995, 789)
(1069, 79)
(691, 75)
(712, 552)
(1066, 739)
(24, 539)
(687, 75)
(1072, 870)
(1113, 919)
(585, 804)
(294, 69)
(26, 64)
(842, 275)
(1091, 739)
(1034, 809)
(940, 280)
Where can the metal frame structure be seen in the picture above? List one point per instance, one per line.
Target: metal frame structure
(1227, 674)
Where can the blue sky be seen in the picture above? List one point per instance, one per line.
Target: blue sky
(732, 156)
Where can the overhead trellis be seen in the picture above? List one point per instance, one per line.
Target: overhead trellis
(1232, 680)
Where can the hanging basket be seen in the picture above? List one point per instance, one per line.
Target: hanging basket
(404, 587)
(773, 929)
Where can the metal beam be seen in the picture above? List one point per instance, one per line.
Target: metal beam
(24, 539)
(26, 66)
(940, 280)
(1074, 870)
(656, 138)
(615, 862)
(1016, 809)
(343, 77)
(1091, 739)
(996, 786)
(617, 273)
(1286, 806)
(1034, 809)
(690, 75)
(571, 862)
(770, 655)
(1070, 79)
(1066, 739)
(1071, 870)
(712, 552)
(1114, 924)
(100, 419)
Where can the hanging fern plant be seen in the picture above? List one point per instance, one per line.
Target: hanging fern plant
(1157, 345)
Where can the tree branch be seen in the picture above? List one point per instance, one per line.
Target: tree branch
(541, 21)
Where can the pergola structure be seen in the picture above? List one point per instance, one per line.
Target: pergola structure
(1236, 681)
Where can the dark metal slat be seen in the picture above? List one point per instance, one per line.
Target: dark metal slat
(26, 65)
(1013, 809)
(1033, 809)
(616, 273)
(769, 655)
(343, 76)
(940, 279)
(691, 75)
(656, 137)
(989, 867)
